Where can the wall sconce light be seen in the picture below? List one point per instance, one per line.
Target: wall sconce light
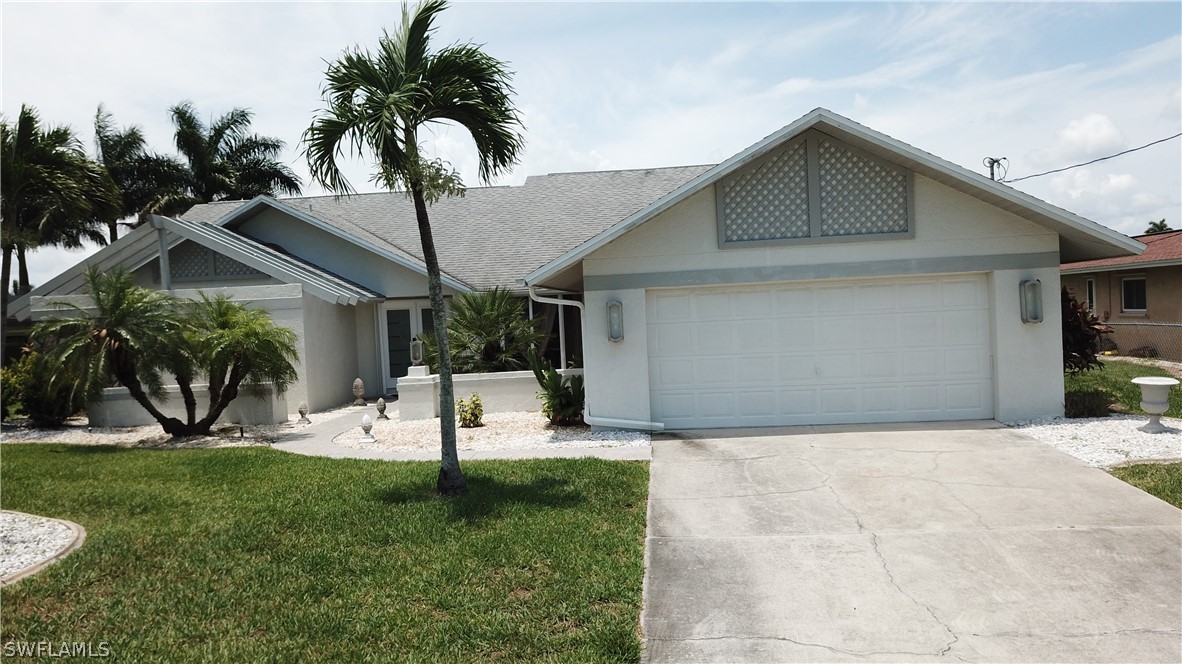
(615, 321)
(1030, 299)
(416, 351)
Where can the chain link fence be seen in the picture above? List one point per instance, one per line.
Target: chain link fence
(1149, 340)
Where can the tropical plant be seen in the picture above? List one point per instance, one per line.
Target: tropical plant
(224, 161)
(470, 412)
(1081, 336)
(27, 384)
(488, 331)
(562, 397)
(1158, 227)
(132, 334)
(147, 182)
(377, 105)
(50, 194)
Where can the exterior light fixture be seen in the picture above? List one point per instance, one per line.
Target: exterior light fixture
(1030, 299)
(416, 351)
(615, 321)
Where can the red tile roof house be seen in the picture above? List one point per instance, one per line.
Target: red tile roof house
(827, 274)
(1140, 297)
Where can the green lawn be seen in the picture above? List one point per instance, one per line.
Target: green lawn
(1163, 480)
(251, 554)
(1115, 380)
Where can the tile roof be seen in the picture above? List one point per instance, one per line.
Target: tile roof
(1159, 248)
(492, 236)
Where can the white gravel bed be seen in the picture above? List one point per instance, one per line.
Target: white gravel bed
(501, 431)
(27, 540)
(1106, 441)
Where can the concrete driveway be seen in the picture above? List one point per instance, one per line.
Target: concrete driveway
(952, 542)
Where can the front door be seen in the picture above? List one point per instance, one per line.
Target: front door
(401, 322)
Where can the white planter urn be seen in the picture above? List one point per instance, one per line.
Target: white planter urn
(1155, 400)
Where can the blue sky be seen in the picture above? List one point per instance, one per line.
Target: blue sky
(624, 85)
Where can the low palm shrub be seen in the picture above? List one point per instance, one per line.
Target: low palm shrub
(562, 397)
(487, 331)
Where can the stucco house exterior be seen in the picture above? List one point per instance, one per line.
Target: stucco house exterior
(1140, 297)
(827, 274)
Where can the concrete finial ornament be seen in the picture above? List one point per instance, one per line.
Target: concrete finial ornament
(358, 392)
(367, 428)
(381, 406)
(303, 411)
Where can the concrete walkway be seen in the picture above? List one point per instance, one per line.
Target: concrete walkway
(955, 542)
(316, 440)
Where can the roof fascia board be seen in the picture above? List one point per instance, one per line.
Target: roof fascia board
(820, 119)
(249, 209)
(1122, 267)
(139, 239)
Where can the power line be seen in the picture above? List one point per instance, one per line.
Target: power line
(1086, 163)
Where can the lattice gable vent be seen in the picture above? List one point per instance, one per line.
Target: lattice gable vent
(189, 260)
(814, 188)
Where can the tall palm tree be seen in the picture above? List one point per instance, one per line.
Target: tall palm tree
(225, 161)
(50, 194)
(377, 103)
(146, 181)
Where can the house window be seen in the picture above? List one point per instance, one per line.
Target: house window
(814, 189)
(1132, 295)
(1090, 287)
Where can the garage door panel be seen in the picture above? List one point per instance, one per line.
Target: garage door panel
(798, 402)
(840, 401)
(887, 350)
(794, 302)
(880, 400)
(715, 371)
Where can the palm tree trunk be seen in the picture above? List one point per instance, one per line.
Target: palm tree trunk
(219, 403)
(186, 385)
(4, 276)
(113, 230)
(128, 378)
(451, 480)
(23, 269)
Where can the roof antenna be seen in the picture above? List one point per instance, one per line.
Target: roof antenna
(993, 163)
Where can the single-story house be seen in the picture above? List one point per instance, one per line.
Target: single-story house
(826, 274)
(1140, 297)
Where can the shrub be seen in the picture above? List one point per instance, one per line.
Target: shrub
(470, 412)
(488, 331)
(1090, 403)
(1081, 336)
(29, 384)
(562, 398)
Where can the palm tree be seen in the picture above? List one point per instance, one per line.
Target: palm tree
(133, 334)
(488, 331)
(146, 181)
(50, 194)
(225, 161)
(376, 104)
(1158, 227)
(236, 346)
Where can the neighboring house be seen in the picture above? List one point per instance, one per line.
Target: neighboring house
(827, 274)
(1140, 297)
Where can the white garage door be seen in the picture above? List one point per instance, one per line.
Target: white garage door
(886, 350)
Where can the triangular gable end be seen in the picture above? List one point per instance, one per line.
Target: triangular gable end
(1080, 238)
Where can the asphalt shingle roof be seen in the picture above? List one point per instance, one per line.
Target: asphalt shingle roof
(492, 236)
(1165, 246)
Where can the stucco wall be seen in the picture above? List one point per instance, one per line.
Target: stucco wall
(329, 352)
(336, 255)
(369, 362)
(1027, 358)
(953, 232)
